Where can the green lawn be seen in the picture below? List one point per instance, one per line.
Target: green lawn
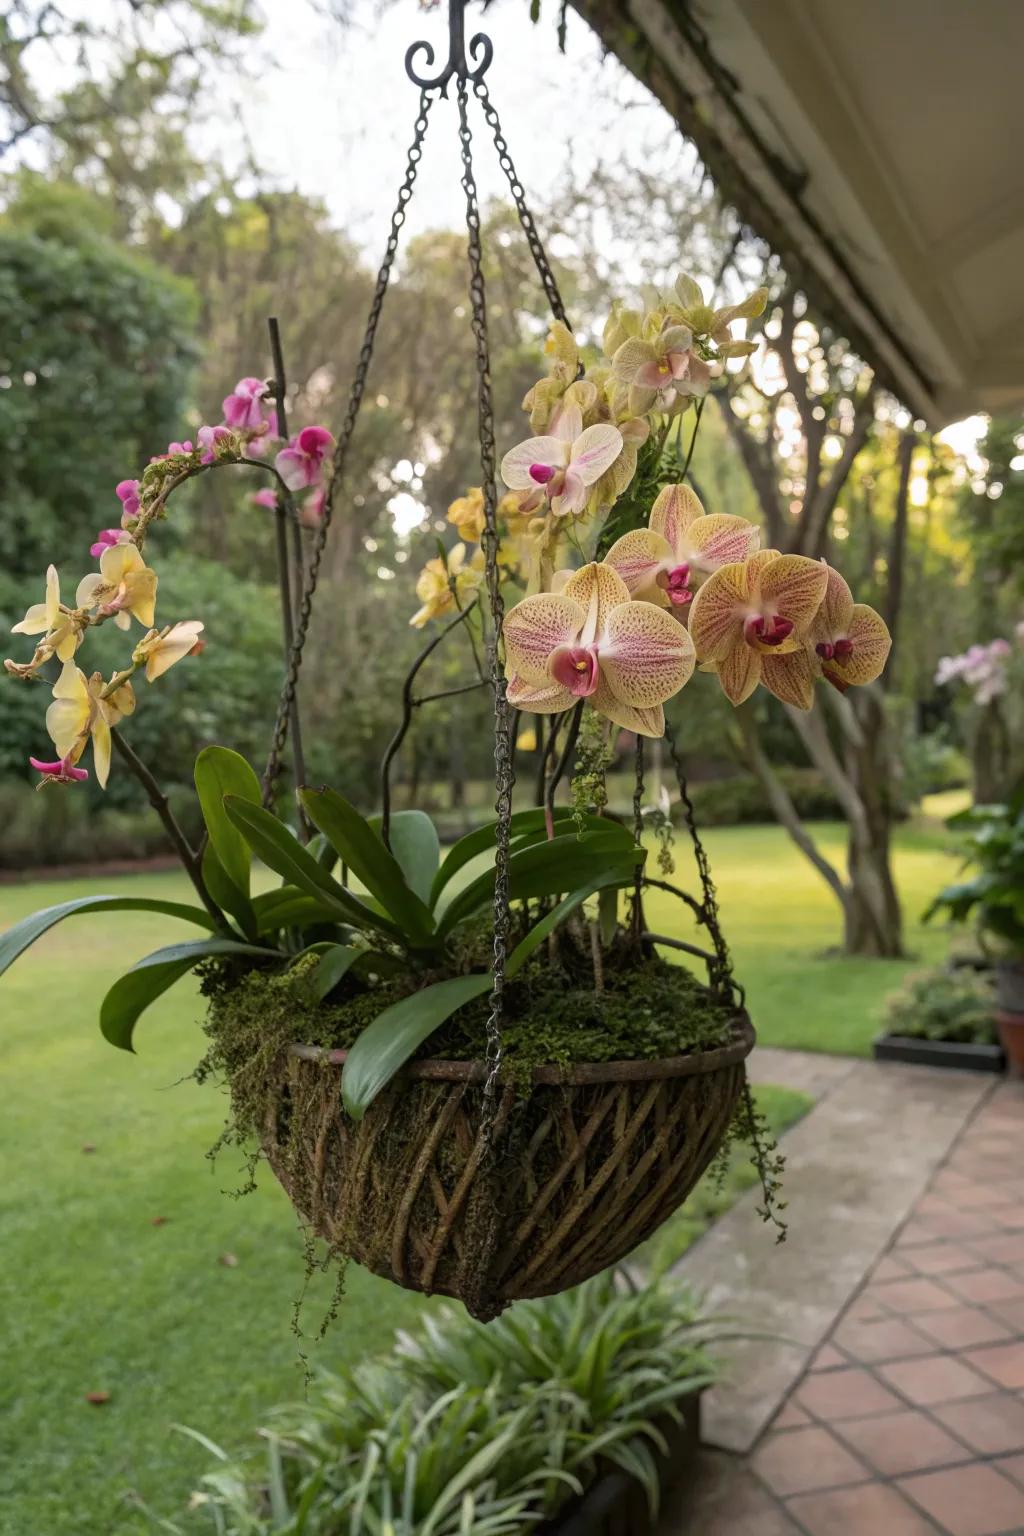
(97, 1297)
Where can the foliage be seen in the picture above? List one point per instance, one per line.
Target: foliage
(94, 335)
(471, 1428)
(741, 798)
(994, 843)
(944, 1004)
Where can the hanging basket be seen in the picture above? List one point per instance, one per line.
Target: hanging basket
(582, 1166)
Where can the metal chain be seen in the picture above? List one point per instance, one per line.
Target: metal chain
(722, 976)
(537, 250)
(504, 772)
(290, 685)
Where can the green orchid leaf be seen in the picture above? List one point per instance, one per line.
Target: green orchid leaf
(284, 854)
(364, 853)
(551, 920)
(220, 772)
(334, 964)
(416, 846)
(290, 907)
(226, 894)
(548, 868)
(387, 1043)
(481, 839)
(136, 989)
(15, 940)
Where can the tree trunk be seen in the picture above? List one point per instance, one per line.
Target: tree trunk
(874, 922)
(990, 755)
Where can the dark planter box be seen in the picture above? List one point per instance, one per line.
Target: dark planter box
(615, 1504)
(939, 1053)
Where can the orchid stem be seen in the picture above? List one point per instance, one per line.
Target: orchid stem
(693, 438)
(158, 800)
(568, 748)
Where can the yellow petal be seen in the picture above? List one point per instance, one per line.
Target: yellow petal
(141, 589)
(793, 586)
(66, 641)
(675, 508)
(790, 677)
(739, 672)
(534, 628)
(629, 357)
(719, 609)
(833, 617)
(638, 557)
(52, 596)
(176, 643)
(871, 642)
(645, 722)
(539, 698)
(720, 539)
(35, 621)
(71, 684)
(118, 561)
(597, 589)
(88, 588)
(101, 750)
(648, 657)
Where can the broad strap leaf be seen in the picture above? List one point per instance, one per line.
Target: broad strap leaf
(609, 881)
(416, 846)
(18, 938)
(220, 772)
(362, 850)
(226, 894)
(137, 988)
(333, 965)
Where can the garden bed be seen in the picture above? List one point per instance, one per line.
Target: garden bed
(969, 1056)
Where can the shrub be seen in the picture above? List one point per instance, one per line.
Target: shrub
(467, 1427)
(940, 1004)
(41, 830)
(740, 799)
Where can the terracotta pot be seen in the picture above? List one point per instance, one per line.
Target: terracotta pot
(1011, 1033)
(1010, 986)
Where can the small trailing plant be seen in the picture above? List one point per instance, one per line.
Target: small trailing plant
(465, 1428)
(943, 1004)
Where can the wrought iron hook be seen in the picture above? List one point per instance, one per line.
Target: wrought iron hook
(481, 52)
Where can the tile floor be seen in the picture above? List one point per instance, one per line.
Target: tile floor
(910, 1419)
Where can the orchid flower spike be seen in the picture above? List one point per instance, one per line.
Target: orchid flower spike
(665, 562)
(851, 641)
(558, 468)
(751, 621)
(301, 464)
(591, 641)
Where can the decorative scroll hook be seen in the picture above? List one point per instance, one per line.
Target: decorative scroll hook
(481, 51)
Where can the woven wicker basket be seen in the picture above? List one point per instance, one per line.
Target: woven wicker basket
(582, 1168)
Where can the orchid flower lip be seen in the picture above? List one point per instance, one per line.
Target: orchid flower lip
(542, 473)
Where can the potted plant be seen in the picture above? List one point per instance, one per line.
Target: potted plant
(943, 1017)
(994, 897)
(475, 1074)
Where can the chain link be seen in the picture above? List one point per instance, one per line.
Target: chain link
(537, 250)
(290, 685)
(504, 772)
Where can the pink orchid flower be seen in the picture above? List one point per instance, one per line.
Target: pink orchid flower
(208, 438)
(301, 464)
(665, 562)
(127, 493)
(107, 538)
(751, 620)
(62, 771)
(558, 468)
(311, 513)
(264, 498)
(258, 447)
(591, 640)
(243, 408)
(851, 640)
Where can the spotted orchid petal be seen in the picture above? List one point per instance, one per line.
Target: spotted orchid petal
(719, 609)
(832, 619)
(535, 628)
(646, 657)
(675, 510)
(596, 589)
(638, 557)
(790, 677)
(720, 539)
(594, 451)
(739, 672)
(540, 698)
(869, 642)
(515, 466)
(633, 355)
(793, 586)
(645, 722)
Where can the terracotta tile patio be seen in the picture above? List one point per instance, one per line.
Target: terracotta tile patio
(909, 1420)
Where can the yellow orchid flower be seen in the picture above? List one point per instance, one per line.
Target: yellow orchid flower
(466, 513)
(160, 650)
(704, 321)
(123, 586)
(442, 581)
(665, 562)
(851, 641)
(48, 618)
(79, 714)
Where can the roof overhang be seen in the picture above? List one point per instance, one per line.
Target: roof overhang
(872, 145)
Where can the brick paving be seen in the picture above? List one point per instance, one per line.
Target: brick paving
(909, 1420)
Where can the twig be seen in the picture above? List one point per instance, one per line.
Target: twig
(698, 413)
(408, 705)
(674, 890)
(690, 949)
(158, 800)
(448, 693)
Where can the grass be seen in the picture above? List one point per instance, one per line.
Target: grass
(113, 1277)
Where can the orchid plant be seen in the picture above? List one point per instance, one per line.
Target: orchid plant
(624, 632)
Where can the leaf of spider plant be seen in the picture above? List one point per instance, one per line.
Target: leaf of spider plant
(137, 988)
(17, 939)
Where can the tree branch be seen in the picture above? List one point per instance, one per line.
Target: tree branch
(759, 464)
(898, 550)
(814, 524)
